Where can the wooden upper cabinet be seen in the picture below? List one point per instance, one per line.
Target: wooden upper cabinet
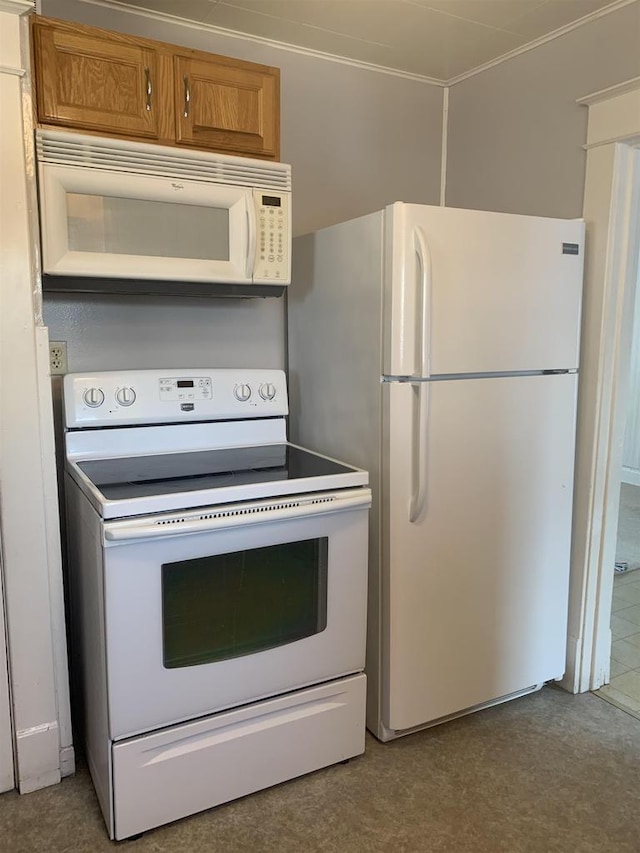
(118, 85)
(95, 82)
(230, 107)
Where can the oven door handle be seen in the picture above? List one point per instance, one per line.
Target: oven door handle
(241, 516)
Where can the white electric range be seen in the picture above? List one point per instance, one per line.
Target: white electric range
(218, 580)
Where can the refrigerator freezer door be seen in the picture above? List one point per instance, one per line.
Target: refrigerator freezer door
(468, 291)
(475, 589)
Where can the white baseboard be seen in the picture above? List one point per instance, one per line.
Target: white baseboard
(67, 761)
(572, 675)
(38, 757)
(42, 780)
(630, 476)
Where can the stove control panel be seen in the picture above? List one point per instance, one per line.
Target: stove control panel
(172, 396)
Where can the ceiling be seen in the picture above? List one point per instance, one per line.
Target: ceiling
(436, 39)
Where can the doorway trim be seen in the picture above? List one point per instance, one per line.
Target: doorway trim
(7, 775)
(612, 214)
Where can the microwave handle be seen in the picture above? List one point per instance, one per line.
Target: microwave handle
(251, 234)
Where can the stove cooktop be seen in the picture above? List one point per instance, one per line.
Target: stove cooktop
(174, 473)
(140, 442)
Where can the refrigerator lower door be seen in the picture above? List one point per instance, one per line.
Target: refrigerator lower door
(475, 588)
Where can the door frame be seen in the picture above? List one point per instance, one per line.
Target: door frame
(7, 769)
(612, 214)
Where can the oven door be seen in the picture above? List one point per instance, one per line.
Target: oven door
(211, 609)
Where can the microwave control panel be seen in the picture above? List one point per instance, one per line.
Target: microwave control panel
(273, 248)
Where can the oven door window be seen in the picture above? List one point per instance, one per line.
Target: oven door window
(228, 605)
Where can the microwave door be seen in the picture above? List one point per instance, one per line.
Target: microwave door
(112, 224)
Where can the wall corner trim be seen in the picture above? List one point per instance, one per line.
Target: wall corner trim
(444, 146)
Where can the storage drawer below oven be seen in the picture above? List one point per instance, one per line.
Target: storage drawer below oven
(175, 772)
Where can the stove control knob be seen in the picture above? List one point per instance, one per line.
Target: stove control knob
(242, 392)
(93, 397)
(125, 396)
(268, 391)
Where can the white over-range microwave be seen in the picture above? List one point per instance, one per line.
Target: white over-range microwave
(129, 217)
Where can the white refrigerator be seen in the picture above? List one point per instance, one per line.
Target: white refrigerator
(438, 348)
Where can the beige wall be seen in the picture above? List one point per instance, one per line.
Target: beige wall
(515, 130)
(356, 139)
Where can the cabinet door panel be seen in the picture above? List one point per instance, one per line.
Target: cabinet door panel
(227, 107)
(95, 82)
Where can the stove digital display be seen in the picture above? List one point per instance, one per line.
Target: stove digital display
(176, 390)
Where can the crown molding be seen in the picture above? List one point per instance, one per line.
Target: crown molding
(354, 63)
(614, 115)
(17, 7)
(11, 70)
(610, 92)
(532, 45)
(290, 48)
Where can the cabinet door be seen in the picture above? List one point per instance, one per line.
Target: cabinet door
(92, 81)
(227, 106)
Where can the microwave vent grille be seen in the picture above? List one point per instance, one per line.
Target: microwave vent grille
(141, 158)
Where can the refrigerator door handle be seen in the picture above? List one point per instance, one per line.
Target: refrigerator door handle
(419, 453)
(424, 338)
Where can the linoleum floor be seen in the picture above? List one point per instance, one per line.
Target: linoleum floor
(548, 772)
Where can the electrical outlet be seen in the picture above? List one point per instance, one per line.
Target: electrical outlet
(57, 357)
